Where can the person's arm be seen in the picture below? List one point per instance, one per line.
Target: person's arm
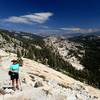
(20, 65)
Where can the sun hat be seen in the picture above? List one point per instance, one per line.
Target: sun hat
(13, 60)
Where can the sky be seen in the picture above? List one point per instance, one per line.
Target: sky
(50, 15)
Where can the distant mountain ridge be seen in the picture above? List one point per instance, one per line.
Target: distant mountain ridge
(68, 35)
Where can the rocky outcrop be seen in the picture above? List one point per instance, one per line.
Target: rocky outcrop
(70, 51)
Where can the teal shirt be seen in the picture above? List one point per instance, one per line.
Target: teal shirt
(14, 67)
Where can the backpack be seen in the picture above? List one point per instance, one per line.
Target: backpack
(10, 73)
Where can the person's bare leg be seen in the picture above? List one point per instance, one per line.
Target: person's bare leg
(17, 85)
(13, 83)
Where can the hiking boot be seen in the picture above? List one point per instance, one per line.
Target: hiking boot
(17, 87)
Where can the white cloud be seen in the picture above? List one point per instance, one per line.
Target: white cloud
(71, 29)
(81, 30)
(31, 18)
(15, 19)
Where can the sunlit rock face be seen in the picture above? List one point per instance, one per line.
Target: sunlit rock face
(68, 50)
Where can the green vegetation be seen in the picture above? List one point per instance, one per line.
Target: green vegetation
(91, 59)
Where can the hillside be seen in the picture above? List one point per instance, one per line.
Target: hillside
(70, 51)
(76, 57)
(82, 53)
(42, 82)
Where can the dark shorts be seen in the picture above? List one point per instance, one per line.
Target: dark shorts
(14, 76)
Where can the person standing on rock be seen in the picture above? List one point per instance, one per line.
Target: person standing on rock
(14, 74)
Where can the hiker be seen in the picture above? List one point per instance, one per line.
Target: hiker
(14, 74)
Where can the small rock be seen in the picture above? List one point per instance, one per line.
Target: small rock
(38, 84)
(9, 91)
(2, 92)
(95, 97)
